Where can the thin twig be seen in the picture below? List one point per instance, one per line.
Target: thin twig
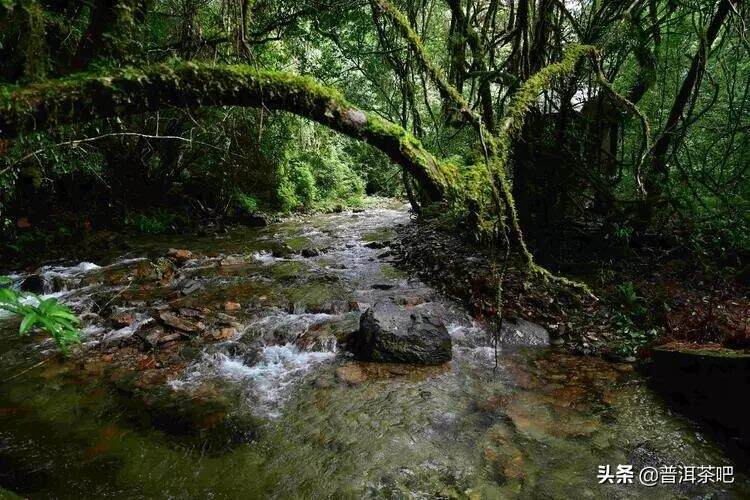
(26, 370)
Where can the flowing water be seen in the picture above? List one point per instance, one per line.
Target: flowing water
(276, 408)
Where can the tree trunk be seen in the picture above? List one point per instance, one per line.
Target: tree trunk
(132, 91)
(659, 175)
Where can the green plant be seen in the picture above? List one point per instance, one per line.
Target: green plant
(622, 233)
(628, 300)
(631, 338)
(157, 222)
(632, 311)
(247, 203)
(48, 314)
(296, 186)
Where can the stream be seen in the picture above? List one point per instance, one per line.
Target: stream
(262, 400)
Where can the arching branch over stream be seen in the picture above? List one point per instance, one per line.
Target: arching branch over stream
(90, 96)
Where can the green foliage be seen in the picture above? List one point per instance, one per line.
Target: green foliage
(282, 161)
(46, 314)
(249, 204)
(296, 187)
(628, 300)
(622, 233)
(158, 221)
(630, 338)
(629, 319)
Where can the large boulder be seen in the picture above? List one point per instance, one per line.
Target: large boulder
(388, 333)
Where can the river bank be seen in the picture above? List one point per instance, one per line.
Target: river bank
(220, 368)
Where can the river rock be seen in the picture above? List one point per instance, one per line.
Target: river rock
(179, 254)
(191, 286)
(522, 332)
(123, 318)
(377, 245)
(33, 283)
(230, 306)
(310, 252)
(150, 337)
(388, 333)
(180, 323)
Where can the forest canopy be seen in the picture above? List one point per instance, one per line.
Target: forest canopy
(627, 120)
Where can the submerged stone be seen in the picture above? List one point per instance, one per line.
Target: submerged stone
(388, 333)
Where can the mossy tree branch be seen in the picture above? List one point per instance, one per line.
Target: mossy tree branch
(87, 96)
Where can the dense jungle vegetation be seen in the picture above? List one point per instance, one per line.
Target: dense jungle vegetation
(569, 126)
(374, 248)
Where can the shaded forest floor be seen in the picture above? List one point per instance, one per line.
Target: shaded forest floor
(647, 297)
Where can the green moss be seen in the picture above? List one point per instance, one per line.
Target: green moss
(133, 90)
(380, 235)
(34, 44)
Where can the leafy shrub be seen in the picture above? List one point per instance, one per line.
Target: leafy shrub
(48, 315)
(627, 298)
(632, 312)
(247, 203)
(296, 186)
(632, 339)
(157, 222)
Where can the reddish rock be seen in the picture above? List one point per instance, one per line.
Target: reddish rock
(169, 338)
(181, 324)
(230, 306)
(223, 334)
(123, 319)
(191, 313)
(179, 255)
(351, 373)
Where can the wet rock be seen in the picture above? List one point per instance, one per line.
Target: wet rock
(126, 332)
(230, 306)
(377, 245)
(179, 255)
(310, 252)
(222, 334)
(281, 251)
(556, 341)
(343, 306)
(191, 313)
(90, 318)
(388, 333)
(151, 337)
(33, 283)
(223, 319)
(178, 323)
(319, 341)
(351, 373)
(414, 300)
(255, 220)
(232, 260)
(332, 307)
(123, 318)
(190, 286)
(705, 383)
(522, 332)
(172, 337)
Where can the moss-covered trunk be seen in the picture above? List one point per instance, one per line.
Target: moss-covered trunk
(85, 97)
